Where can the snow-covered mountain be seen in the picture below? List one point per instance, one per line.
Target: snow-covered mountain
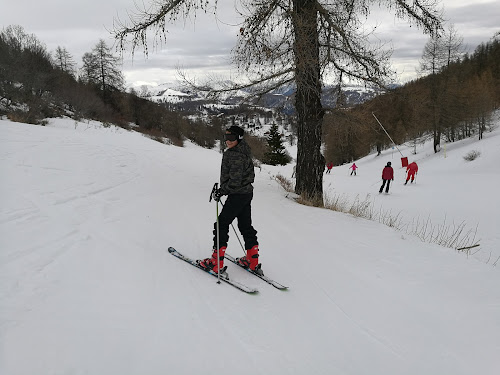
(280, 98)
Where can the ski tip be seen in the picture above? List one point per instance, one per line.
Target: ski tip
(253, 292)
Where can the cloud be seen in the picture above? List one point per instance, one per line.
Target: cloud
(204, 46)
(476, 22)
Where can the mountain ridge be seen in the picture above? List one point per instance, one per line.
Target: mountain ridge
(281, 98)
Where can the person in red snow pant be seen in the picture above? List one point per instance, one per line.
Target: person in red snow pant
(387, 177)
(411, 171)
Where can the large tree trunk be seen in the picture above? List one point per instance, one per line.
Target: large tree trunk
(310, 161)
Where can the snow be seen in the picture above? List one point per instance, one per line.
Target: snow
(87, 285)
(170, 95)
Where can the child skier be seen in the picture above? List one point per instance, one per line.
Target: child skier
(353, 167)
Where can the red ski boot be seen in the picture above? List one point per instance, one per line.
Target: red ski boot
(211, 263)
(251, 260)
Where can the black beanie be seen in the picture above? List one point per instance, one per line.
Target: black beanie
(388, 163)
(237, 131)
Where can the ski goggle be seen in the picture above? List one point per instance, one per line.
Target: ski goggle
(230, 137)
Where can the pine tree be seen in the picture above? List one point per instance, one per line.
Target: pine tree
(276, 154)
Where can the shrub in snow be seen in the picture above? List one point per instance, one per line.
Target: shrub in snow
(472, 155)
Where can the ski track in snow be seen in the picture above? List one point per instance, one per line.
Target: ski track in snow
(87, 285)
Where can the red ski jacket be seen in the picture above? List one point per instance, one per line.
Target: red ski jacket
(388, 173)
(412, 168)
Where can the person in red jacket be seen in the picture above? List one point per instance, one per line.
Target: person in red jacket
(329, 166)
(387, 176)
(353, 167)
(411, 171)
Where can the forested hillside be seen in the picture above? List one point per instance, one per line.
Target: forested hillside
(35, 85)
(447, 105)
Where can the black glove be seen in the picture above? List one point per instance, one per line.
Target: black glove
(217, 195)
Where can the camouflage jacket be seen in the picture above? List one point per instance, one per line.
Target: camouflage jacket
(236, 171)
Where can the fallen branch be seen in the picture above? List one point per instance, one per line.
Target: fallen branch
(468, 247)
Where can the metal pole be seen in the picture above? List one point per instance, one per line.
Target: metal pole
(386, 133)
(218, 255)
(236, 234)
(214, 189)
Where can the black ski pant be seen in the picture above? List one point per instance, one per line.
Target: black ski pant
(237, 206)
(383, 184)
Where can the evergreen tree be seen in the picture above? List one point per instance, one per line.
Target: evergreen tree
(276, 154)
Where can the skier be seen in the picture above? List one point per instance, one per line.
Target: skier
(329, 167)
(353, 167)
(411, 171)
(387, 176)
(236, 178)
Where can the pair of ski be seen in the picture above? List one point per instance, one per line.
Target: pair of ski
(226, 279)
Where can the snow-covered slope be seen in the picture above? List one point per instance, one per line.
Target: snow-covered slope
(87, 286)
(450, 193)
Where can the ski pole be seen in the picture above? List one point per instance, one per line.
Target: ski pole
(218, 255)
(214, 189)
(236, 234)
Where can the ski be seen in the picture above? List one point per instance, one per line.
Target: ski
(227, 280)
(276, 284)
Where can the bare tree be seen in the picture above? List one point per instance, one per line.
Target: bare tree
(64, 61)
(88, 71)
(101, 68)
(432, 57)
(27, 51)
(18, 39)
(295, 41)
(453, 45)
(439, 52)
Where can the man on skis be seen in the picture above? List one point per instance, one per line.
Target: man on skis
(411, 171)
(236, 178)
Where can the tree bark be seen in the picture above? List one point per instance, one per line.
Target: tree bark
(310, 161)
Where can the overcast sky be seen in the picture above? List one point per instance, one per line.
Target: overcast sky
(203, 47)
